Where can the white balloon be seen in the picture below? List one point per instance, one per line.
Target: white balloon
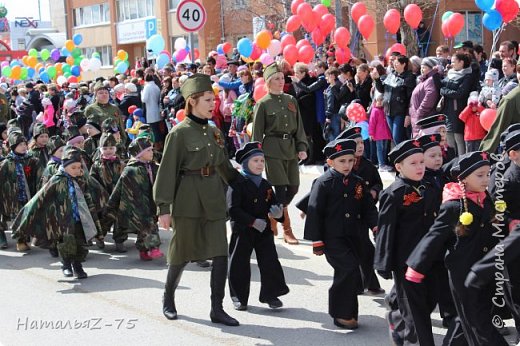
(275, 48)
(61, 80)
(85, 64)
(180, 43)
(94, 64)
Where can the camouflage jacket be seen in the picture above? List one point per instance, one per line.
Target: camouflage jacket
(48, 214)
(107, 172)
(51, 169)
(9, 204)
(131, 202)
(43, 157)
(92, 145)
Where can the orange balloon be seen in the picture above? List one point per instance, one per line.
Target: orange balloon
(15, 72)
(38, 66)
(180, 115)
(58, 66)
(69, 45)
(31, 61)
(70, 60)
(122, 54)
(24, 59)
(263, 39)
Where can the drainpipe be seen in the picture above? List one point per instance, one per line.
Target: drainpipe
(66, 10)
(223, 34)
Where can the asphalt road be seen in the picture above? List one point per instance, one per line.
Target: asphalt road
(120, 302)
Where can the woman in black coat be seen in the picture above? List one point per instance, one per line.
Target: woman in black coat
(306, 103)
(455, 89)
(363, 85)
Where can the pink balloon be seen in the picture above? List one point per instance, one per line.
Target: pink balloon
(259, 92)
(259, 81)
(356, 112)
(180, 54)
(266, 59)
(294, 6)
(257, 51)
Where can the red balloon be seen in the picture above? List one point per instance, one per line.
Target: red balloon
(72, 79)
(413, 15)
(287, 40)
(358, 10)
(259, 92)
(131, 109)
(310, 24)
(328, 22)
(196, 53)
(317, 36)
(455, 23)
(343, 55)
(321, 9)
(257, 51)
(366, 25)
(294, 6)
(508, 9)
(302, 42)
(290, 54)
(398, 47)
(487, 118)
(180, 115)
(305, 12)
(226, 47)
(356, 112)
(342, 37)
(446, 30)
(392, 20)
(259, 81)
(293, 23)
(306, 54)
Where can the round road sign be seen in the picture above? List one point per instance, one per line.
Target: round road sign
(191, 15)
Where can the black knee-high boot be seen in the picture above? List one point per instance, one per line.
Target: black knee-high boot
(172, 281)
(218, 284)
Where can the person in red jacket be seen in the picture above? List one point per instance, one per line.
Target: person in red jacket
(473, 130)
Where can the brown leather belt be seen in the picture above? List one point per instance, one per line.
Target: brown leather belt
(203, 172)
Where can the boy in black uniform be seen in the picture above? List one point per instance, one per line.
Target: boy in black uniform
(437, 124)
(250, 202)
(368, 172)
(407, 209)
(339, 207)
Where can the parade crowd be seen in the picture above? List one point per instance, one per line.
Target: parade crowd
(137, 153)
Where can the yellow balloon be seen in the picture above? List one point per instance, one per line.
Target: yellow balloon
(69, 45)
(249, 129)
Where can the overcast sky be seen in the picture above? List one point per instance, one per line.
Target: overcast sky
(27, 8)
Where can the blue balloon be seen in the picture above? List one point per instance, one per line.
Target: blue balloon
(15, 63)
(187, 48)
(220, 49)
(155, 43)
(30, 72)
(75, 71)
(44, 76)
(77, 39)
(41, 70)
(492, 20)
(162, 60)
(245, 47)
(485, 5)
(122, 67)
(65, 52)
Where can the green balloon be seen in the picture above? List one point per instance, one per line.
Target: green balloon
(76, 52)
(446, 15)
(6, 71)
(66, 74)
(77, 61)
(65, 68)
(33, 52)
(325, 3)
(45, 54)
(96, 55)
(117, 61)
(23, 73)
(51, 71)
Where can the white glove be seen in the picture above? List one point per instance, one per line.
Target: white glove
(276, 211)
(214, 78)
(259, 225)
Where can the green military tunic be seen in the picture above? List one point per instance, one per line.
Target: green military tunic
(277, 124)
(4, 109)
(197, 203)
(100, 112)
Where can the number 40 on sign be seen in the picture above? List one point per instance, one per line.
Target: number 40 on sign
(191, 15)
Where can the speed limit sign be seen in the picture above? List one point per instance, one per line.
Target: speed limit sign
(191, 15)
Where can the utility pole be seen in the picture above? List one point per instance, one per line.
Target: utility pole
(338, 14)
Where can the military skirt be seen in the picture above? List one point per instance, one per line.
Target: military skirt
(197, 239)
(282, 172)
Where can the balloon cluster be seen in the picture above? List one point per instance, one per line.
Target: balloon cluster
(412, 15)
(264, 48)
(121, 63)
(45, 66)
(364, 21)
(497, 12)
(452, 24)
(181, 51)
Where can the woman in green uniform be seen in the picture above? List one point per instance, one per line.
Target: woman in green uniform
(278, 126)
(189, 194)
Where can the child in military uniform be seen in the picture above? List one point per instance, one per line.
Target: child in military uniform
(92, 142)
(63, 212)
(437, 124)
(251, 201)
(110, 126)
(55, 146)
(106, 170)
(38, 145)
(407, 209)
(135, 185)
(464, 232)
(339, 206)
(18, 174)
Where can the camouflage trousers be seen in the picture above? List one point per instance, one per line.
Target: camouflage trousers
(147, 238)
(73, 247)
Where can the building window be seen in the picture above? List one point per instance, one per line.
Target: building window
(134, 9)
(174, 4)
(91, 15)
(105, 53)
(472, 30)
(237, 4)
